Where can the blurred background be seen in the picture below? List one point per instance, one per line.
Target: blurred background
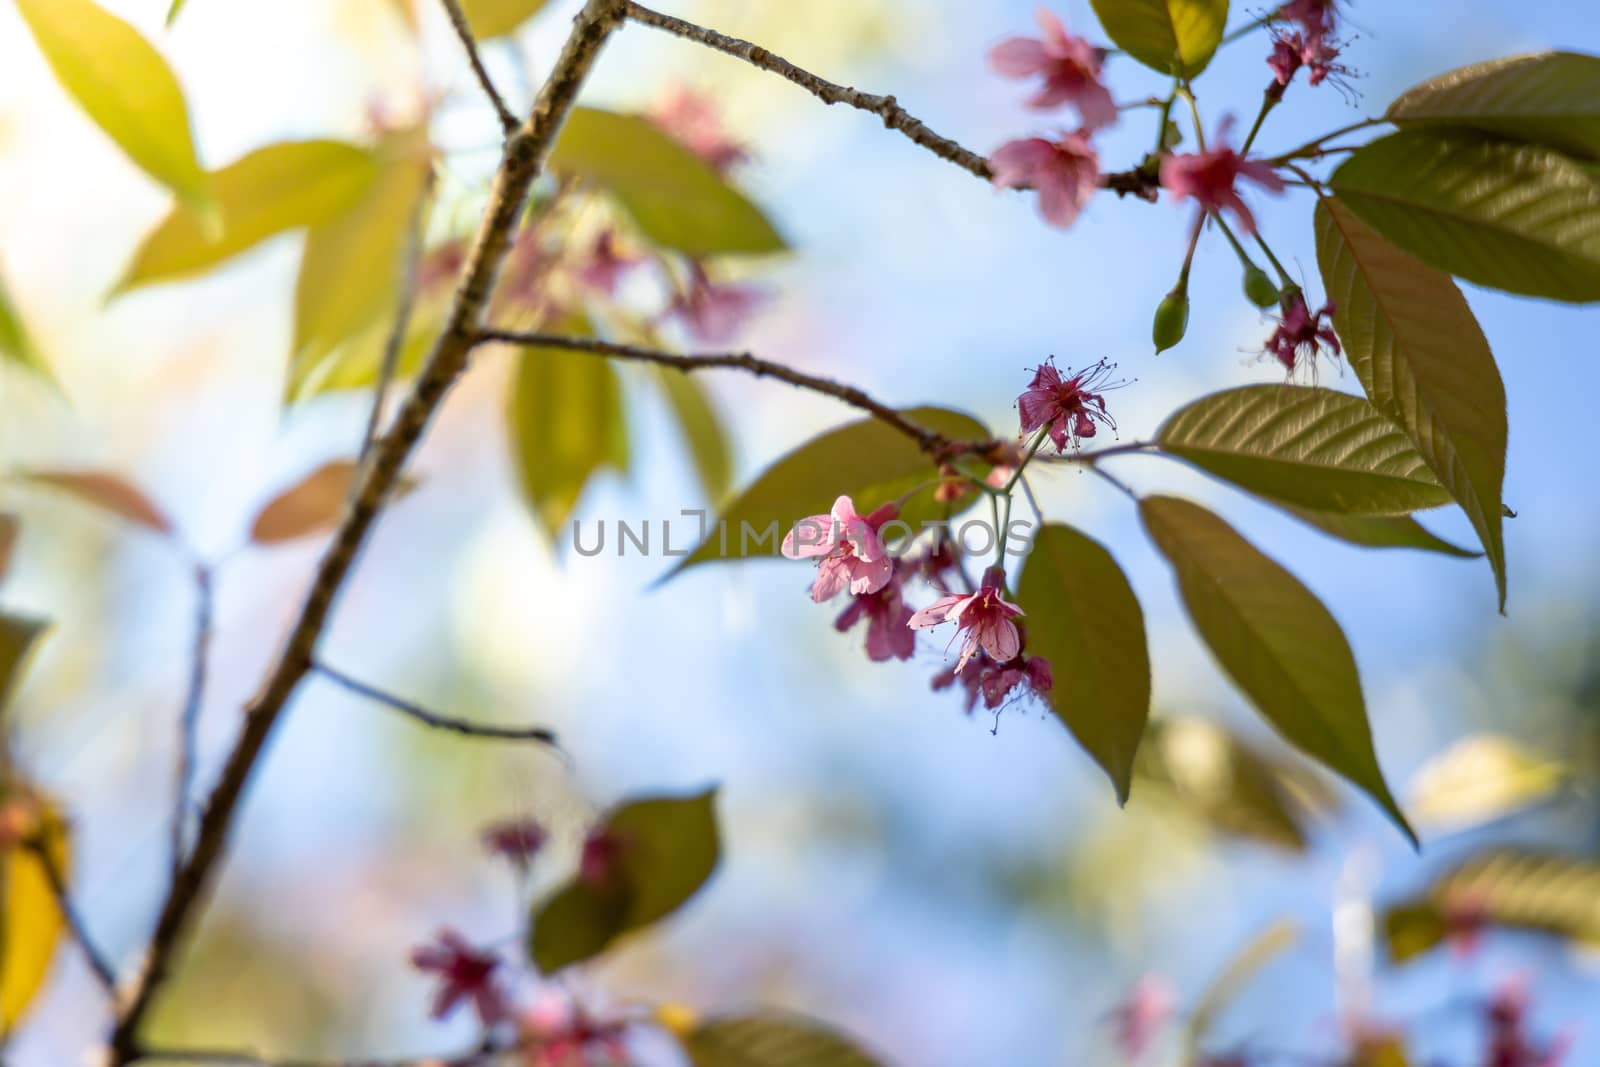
(956, 890)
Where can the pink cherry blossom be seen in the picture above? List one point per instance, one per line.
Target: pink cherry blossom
(1142, 1016)
(1070, 67)
(1072, 407)
(885, 610)
(558, 1032)
(984, 617)
(1318, 53)
(515, 840)
(714, 312)
(693, 120)
(995, 682)
(1301, 336)
(1065, 172)
(1210, 178)
(600, 865)
(464, 973)
(846, 547)
(604, 267)
(1315, 17)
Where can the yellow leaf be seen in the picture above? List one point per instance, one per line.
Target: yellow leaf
(273, 189)
(18, 636)
(30, 922)
(15, 344)
(124, 85)
(496, 18)
(351, 269)
(1480, 779)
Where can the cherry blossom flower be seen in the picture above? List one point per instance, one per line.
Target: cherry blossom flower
(603, 268)
(558, 1032)
(1070, 67)
(1072, 408)
(1065, 172)
(1210, 178)
(1291, 51)
(600, 865)
(1315, 17)
(1300, 335)
(1141, 1017)
(994, 682)
(714, 312)
(846, 547)
(516, 840)
(985, 617)
(888, 636)
(464, 973)
(692, 119)
(1509, 1043)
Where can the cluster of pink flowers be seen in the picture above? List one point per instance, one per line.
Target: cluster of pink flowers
(1064, 169)
(1509, 1044)
(1312, 44)
(1071, 408)
(1301, 335)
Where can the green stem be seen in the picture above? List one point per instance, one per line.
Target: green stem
(1312, 148)
(1033, 449)
(1268, 102)
(1227, 231)
(1248, 28)
(1166, 120)
(1188, 257)
(1283, 275)
(1194, 113)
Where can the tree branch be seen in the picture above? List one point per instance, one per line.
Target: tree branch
(458, 20)
(525, 153)
(189, 721)
(395, 343)
(928, 440)
(103, 971)
(431, 718)
(242, 1058)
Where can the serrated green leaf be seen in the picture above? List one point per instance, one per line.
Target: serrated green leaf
(1540, 891)
(1313, 448)
(273, 189)
(1506, 215)
(1551, 98)
(1176, 37)
(18, 638)
(1275, 639)
(668, 847)
(15, 344)
(565, 423)
(770, 1041)
(1424, 362)
(673, 196)
(496, 18)
(124, 85)
(702, 430)
(1380, 531)
(866, 460)
(1083, 617)
(353, 264)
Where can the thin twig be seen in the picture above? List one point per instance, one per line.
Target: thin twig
(103, 971)
(193, 702)
(395, 343)
(525, 154)
(926, 439)
(431, 718)
(242, 1058)
(458, 20)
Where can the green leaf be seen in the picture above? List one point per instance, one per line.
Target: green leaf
(1544, 892)
(1551, 98)
(353, 264)
(357, 364)
(174, 10)
(1275, 639)
(496, 18)
(1380, 531)
(866, 460)
(1176, 37)
(18, 637)
(1313, 448)
(273, 189)
(672, 195)
(1424, 362)
(125, 87)
(565, 423)
(1213, 776)
(1509, 216)
(1480, 779)
(15, 344)
(770, 1041)
(702, 430)
(667, 849)
(1084, 618)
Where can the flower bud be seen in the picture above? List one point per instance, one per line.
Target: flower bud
(1258, 287)
(1172, 320)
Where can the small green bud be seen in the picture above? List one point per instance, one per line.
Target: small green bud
(1258, 287)
(1172, 320)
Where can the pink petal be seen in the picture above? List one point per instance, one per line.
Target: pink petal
(1096, 107)
(1018, 57)
(870, 575)
(1056, 37)
(934, 613)
(1014, 164)
(833, 575)
(810, 537)
(1262, 174)
(1000, 639)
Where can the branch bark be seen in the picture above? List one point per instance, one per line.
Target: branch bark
(458, 22)
(433, 719)
(524, 156)
(193, 702)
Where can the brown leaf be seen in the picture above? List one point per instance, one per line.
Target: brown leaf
(312, 505)
(8, 541)
(109, 492)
